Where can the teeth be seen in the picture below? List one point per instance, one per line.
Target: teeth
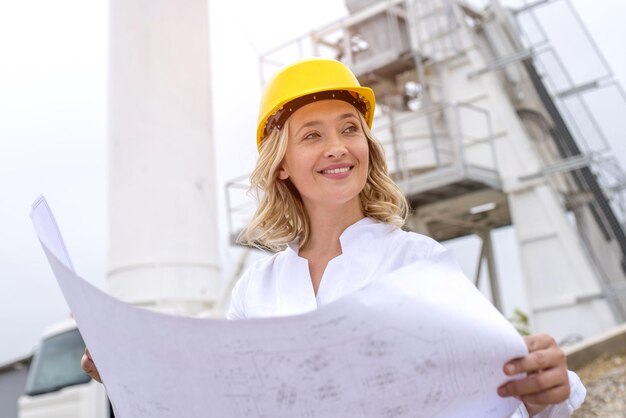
(336, 170)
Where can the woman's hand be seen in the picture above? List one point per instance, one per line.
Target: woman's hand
(89, 366)
(546, 382)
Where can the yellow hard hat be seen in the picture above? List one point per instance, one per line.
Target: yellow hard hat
(306, 81)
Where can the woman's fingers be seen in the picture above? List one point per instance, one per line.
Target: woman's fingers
(539, 342)
(545, 357)
(551, 396)
(89, 366)
(546, 380)
(551, 385)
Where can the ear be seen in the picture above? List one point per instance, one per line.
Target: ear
(283, 174)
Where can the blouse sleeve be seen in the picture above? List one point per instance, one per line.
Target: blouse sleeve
(237, 310)
(563, 409)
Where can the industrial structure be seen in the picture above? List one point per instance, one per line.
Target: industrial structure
(485, 125)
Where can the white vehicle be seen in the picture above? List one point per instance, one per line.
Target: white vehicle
(57, 387)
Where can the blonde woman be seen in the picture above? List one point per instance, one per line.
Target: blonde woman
(332, 214)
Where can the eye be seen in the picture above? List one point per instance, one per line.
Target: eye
(351, 129)
(311, 135)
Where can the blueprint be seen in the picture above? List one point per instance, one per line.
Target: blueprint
(420, 342)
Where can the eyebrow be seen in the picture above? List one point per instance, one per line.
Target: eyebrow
(317, 122)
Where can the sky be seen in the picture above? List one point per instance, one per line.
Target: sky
(53, 86)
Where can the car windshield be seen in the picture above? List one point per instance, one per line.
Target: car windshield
(57, 364)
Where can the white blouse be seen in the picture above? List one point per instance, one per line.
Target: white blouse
(281, 284)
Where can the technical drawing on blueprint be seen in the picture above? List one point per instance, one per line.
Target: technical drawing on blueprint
(399, 347)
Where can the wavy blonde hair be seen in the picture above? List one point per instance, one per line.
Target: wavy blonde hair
(281, 216)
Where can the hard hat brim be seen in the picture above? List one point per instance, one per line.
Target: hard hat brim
(356, 97)
(365, 94)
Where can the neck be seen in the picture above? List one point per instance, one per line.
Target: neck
(328, 224)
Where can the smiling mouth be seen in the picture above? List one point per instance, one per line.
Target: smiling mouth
(337, 170)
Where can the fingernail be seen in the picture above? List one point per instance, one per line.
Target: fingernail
(509, 369)
(502, 391)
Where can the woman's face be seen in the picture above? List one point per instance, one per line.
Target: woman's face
(327, 155)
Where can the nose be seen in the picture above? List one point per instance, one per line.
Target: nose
(335, 147)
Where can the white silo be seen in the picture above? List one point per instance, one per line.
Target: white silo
(162, 206)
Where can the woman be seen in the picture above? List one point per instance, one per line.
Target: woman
(330, 208)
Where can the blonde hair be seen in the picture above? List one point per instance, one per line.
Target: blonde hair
(281, 216)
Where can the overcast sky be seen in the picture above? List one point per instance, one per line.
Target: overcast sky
(53, 129)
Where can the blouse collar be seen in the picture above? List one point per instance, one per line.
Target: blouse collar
(356, 235)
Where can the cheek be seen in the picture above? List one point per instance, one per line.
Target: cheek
(364, 156)
(365, 161)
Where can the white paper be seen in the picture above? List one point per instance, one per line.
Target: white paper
(48, 231)
(420, 342)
